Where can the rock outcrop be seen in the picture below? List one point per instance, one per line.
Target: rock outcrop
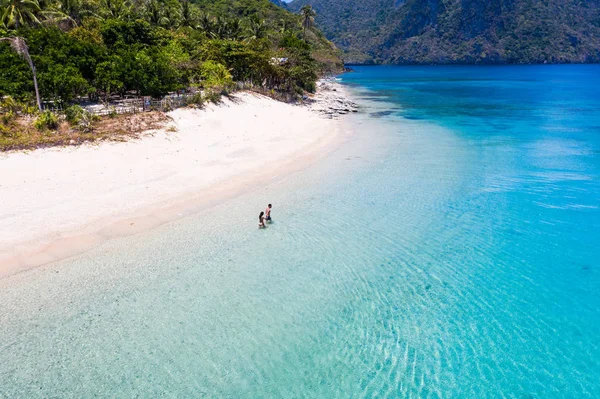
(330, 100)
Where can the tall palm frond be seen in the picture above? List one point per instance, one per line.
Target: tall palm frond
(308, 18)
(256, 29)
(115, 9)
(18, 13)
(233, 29)
(187, 15)
(155, 13)
(207, 24)
(171, 16)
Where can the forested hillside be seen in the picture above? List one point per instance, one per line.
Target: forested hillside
(461, 31)
(98, 48)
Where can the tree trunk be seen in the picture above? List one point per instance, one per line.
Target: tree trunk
(35, 85)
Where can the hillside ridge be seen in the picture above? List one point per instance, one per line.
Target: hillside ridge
(461, 31)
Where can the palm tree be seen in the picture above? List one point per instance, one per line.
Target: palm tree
(115, 9)
(171, 15)
(255, 29)
(20, 47)
(206, 24)
(233, 29)
(308, 18)
(187, 14)
(67, 12)
(21, 12)
(155, 13)
(223, 29)
(284, 26)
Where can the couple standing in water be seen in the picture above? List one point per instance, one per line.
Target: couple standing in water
(264, 217)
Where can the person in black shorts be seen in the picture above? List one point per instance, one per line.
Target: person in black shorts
(268, 213)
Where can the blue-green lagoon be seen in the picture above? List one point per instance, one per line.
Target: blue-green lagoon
(449, 249)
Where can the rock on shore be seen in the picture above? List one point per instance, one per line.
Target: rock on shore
(330, 100)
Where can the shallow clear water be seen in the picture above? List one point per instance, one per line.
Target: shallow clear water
(449, 249)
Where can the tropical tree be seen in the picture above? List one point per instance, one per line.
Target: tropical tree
(255, 29)
(172, 15)
(17, 13)
(207, 24)
(19, 45)
(187, 15)
(308, 18)
(70, 12)
(115, 9)
(152, 47)
(155, 13)
(284, 26)
(109, 77)
(62, 83)
(215, 75)
(228, 29)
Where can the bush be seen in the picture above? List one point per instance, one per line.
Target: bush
(62, 83)
(9, 105)
(74, 114)
(8, 117)
(4, 131)
(195, 99)
(46, 120)
(215, 75)
(310, 86)
(213, 97)
(86, 122)
(81, 118)
(29, 109)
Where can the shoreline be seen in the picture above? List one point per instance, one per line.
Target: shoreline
(38, 245)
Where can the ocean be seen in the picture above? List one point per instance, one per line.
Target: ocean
(449, 248)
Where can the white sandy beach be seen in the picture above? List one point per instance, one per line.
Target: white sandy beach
(55, 200)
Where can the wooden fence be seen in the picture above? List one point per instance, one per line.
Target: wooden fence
(131, 105)
(141, 104)
(136, 105)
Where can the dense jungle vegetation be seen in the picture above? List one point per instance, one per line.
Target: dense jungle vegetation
(98, 48)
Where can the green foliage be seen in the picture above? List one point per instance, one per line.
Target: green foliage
(8, 117)
(5, 131)
(117, 33)
(102, 48)
(62, 83)
(81, 118)
(18, 13)
(215, 75)
(9, 104)
(86, 121)
(291, 41)
(196, 99)
(109, 76)
(46, 120)
(28, 109)
(73, 114)
(308, 18)
(9, 108)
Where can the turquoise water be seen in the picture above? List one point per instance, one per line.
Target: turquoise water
(449, 249)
